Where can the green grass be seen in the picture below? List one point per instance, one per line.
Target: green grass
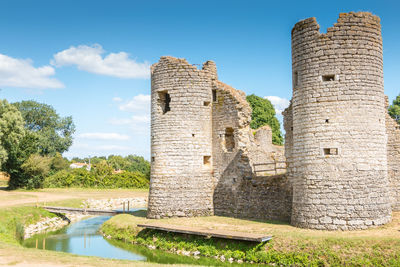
(289, 246)
(13, 220)
(72, 203)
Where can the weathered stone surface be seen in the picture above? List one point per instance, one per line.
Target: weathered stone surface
(393, 158)
(336, 140)
(203, 149)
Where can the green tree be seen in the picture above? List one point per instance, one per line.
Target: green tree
(11, 130)
(263, 113)
(54, 133)
(35, 169)
(138, 164)
(394, 109)
(59, 163)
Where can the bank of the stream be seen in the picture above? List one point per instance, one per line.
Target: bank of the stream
(290, 246)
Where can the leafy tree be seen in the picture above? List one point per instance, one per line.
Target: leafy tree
(11, 130)
(35, 169)
(263, 113)
(54, 133)
(102, 169)
(59, 163)
(394, 109)
(138, 164)
(118, 162)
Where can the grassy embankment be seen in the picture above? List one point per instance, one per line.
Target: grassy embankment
(290, 245)
(15, 215)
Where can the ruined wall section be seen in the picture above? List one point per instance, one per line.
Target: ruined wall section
(238, 192)
(339, 171)
(288, 126)
(393, 157)
(181, 133)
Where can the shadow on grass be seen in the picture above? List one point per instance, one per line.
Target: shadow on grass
(139, 213)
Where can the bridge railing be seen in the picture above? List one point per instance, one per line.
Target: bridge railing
(269, 168)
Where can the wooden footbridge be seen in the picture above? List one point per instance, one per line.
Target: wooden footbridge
(87, 211)
(218, 233)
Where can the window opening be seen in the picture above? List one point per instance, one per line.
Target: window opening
(206, 103)
(330, 151)
(328, 78)
(229, 139)
(327, 120)
(207, 161)
(214, 95)
(164, 101)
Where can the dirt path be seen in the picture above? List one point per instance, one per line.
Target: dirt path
(16, 198)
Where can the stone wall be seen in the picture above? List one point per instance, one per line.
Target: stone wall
(206, 117)
(339, 168)
(393, 157)
(239, 192)
(181, 162)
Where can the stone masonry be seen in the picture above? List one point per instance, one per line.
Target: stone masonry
(338, 153)
(342, 150)
(203, 150)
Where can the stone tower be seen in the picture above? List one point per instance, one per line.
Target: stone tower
(337, 157)
(181, 132)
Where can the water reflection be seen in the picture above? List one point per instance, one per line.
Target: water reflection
(82, 238)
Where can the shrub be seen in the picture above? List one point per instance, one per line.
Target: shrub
(83, 178)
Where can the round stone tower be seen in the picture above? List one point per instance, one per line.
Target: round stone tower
(339, 168)
(181, 147)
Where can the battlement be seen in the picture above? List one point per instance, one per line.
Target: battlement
(357, 21)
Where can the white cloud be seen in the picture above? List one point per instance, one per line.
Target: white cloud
(104, 136)
(279, 103)
(134, 120)
(137, 103)
(21, 73)
(90, 59)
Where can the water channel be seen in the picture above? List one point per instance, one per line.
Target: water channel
(83, 238)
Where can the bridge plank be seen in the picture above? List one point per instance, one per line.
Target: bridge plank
(252, 237)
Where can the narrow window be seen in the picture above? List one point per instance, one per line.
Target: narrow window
(153, 159)
(327, 121)
(206, 103)
(328, 78)
(229, 139)
(296, 78)
(207, 161)
(193, 135)
(214, 95)
(164, 100)
(330, 151)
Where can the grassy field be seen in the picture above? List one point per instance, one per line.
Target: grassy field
(374, 247)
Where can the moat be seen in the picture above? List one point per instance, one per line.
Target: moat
(84, 238)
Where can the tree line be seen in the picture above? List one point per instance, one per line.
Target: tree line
(32, 139)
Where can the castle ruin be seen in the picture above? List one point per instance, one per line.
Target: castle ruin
(342, 150)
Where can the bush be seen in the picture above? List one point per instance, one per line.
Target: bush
(83, 178)
(35, 169)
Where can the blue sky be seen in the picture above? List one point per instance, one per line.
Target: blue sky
(89, 59)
